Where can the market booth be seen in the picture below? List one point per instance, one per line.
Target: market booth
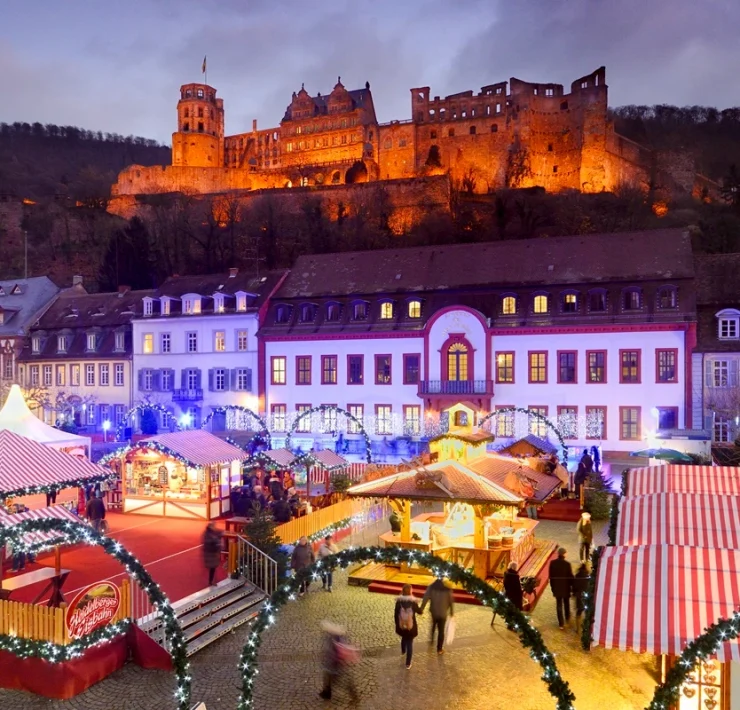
(677, 478)
(185, 474)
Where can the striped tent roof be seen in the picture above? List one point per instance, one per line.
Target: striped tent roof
(199, 447)
(25, 463)
(54, 511)
(328, 459)
(656, 598)
(701, 520)
(670, 478)
(281, 457)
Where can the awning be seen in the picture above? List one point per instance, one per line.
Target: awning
(657, 598)
(54, 511)
(699, 520)
(723, 480)
(198, 447)
(328, 459)
(280, 457)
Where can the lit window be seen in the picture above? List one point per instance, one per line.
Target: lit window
(629, 372)
(328, 369)
(457, 362)
(386, 310)
(218, 304)
(382, 369)
(541, 304)
(242, 342)
(60, 375)
(666, 366)
(303, 423)
(219, 341)
(165, 306)
(596, 362)
(505, 425)
(508, 306)
(241, 302)
(358, 412)
(629, 423)
(383, 419)
(74, 375)
(538, 368)
(412, 420)
(538, 426)
(570, 303)
(148, 346)
(279, 417)
(415, 309)
(505, 368)
(278, 370)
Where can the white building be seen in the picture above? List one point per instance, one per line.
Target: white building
(592, 332)
(195, 345)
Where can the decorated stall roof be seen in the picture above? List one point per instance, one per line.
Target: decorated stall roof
(674, 478)
(26, 466)
(197, 446)
(700, 520)
(637, 606)
(59, 512)
(328, 459)
(444, 480)
(284, 458)
(532, 445)
(499, 470)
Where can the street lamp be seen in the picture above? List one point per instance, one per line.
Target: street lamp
(106, 426)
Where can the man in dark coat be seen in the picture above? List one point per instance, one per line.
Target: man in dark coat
(95, 512)
(587, 461)
(561, 585)
(281, 510)
(513, 586)
(302, 557)
(441, 604)
(211, 551)
(580, 588)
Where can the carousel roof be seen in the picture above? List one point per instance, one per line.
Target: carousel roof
(199, 447)
(495, 469)
(444, 480)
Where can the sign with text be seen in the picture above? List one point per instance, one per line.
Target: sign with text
(95, 606)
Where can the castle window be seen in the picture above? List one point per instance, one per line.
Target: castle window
(464, 114)
(386, 310)
(549, 147)
(200, 93)
(549, 92)
(186, 127)
(494, 128)
(433, 135)
(451, 132)
(414, 309)
(498, 91)
(534, 91)
(200, 113)
(472, 130)
(188, 93)
(498, 108)
(200, 126)
(564, 106)
(554, 168)
(631, 299)
(584, 85)
(401, 142)
(335, 177)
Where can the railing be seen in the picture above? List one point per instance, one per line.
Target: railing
(187, 395)
(317, 521)
(142, 610)
(254, 565)
(427, 387)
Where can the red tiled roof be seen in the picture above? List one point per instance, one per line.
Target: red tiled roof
(199, 447)
(495, 469)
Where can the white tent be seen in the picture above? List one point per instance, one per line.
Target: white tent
(15, 416)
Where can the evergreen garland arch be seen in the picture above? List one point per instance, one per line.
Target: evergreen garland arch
(139, 408)
(264, 431)
(326, 407)
(515, 620)
(73, 533)
(540, 417)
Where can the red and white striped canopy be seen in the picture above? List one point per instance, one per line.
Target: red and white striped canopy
(54, 511)
(657, 598)
(724, 480)
(699, 520)
(25, 463)
(199, 447)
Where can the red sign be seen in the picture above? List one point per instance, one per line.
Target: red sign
(95, 606)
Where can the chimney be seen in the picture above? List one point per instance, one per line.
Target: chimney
(254, 124)
(233, 271)
(77, 280)
(122, 290)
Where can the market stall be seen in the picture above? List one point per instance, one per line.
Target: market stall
(530, 445)
(676, 478)
(521, 476)
(185, 474)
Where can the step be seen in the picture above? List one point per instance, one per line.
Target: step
(459, 595)
(195, 615)
(244, 617)
(222, 615)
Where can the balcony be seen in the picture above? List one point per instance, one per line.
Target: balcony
(455, 387)
(187, 395)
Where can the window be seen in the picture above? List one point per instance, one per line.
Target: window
(596, 422)
(631, 300)
(90, 375)
(667, 418)
(8, 367)
(568, 422)
(597, 301)
(596, 366)
(328, 369)
(570, 303)
(282, 314)
(411, 369)
(722, 430)
(278, 417)
(91, 341)
(74, 375)
(382, 369)
(719, 373)
(328, 419)
(61, 369)
(218, 303)
(118, 374)
(219, 341)
(414, 310)
(61, 343)
(90, 414)
(667, 297)
(104, 374)
(536, 425)
(192, 379)
(508, 306)
(358, 412)
(120, 343)
(666, 369)
(359, 311)
(355, 369)
(554, 168)
(386, 310)
(307, 313)
(629, 423)
(243, 379)
(241, 302)
(277, 367)
(541, 303)
(333, 311)
(47, 376)
(146, 379)
(494, 127)
(303, 370)
(147, 346)
(411, 419)
(35, 375)
(165, 343)
(148, 306)
(166, 377)
(383, 419)
(567, 367)
(457, 362)
(538, 367)
(191, 340)
(505, 368)
(728, 328)
(504, 423)
(241, 341)
(629, 370)
(119, 411)
(219, 383)
(451, 133)
(472, 130)
(165, 306)
(303, 423)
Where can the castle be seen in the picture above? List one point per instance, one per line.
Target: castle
(515, 134)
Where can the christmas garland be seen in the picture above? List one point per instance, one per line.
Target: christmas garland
(613, 520)
(73, 533)
(465, 440)
(331, 407)
(148, 446)
(140, 408)
(515, 620)
(540, 417)
(589, 601)
(264, 432)
(57, 486)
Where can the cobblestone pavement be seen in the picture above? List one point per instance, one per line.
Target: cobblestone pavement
(485, 668)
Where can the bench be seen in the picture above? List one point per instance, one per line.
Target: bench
(55, 580)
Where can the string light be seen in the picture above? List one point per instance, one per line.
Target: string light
(264, 433)
(151, 406)
(58, 486)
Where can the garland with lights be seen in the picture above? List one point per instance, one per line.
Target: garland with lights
(465, 440)
(153, 406)
(540, 417)
(264, 432)
(74, 533)
(613, 520)
(589, 601)
(57, 486)
(330, 407)
(516, 621)
(147, 446)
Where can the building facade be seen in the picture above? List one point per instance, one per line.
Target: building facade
(595, 341)
(195, 345)
(78, 353)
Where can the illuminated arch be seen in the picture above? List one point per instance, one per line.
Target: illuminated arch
(323, 408)
(264, 432)
(152, 406)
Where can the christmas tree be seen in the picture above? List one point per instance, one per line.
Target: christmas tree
(261, 532)
(598, 497)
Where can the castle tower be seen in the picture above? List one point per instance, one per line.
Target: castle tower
(199, 139)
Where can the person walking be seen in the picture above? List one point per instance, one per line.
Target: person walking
(587, 461)
(405, 617)
(326, 549)
(211, 551)
(580, 588)
(441, 605)
(95, 512)
(302, 558)
(51, 497)
(513, 586)
(337, 657)
(561, 585)
(585, 536)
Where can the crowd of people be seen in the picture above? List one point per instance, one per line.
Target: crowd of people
(271, 492)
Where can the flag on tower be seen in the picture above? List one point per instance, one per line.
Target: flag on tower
(204, 65)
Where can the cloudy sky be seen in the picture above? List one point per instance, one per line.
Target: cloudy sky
(116, 65)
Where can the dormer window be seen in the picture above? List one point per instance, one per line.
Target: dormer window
(241, 302)
(414, 308)
(570, 303)
(667, 297)
(282, 314)
(333, 311)
(36, 344)
(308, 311)
(597, 301)
(62, 344)
(508, 306)
(359, 310)
(631, 299)
(91, 342)
(386, 310)
(148, 306)
(164, 305)
(219, 305)
(120, 344)
(541, 303)
(728, 324)
(191, 305)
